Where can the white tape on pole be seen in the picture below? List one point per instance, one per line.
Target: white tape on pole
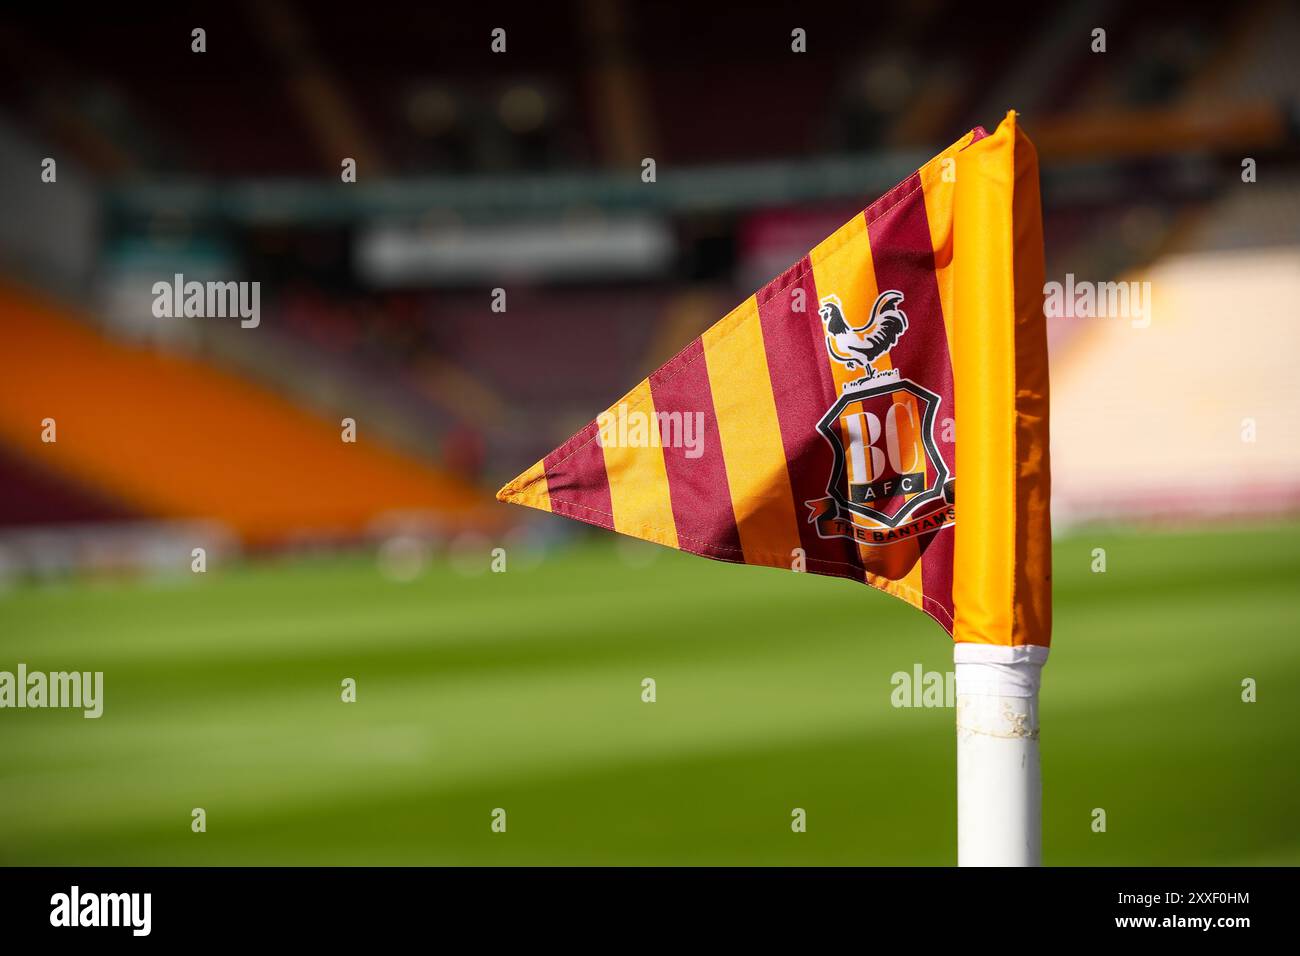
(999, 785)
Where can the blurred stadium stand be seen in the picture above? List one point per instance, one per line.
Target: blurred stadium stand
(522, 171)
(174, 437)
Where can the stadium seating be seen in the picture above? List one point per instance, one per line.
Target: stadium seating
(236, 452)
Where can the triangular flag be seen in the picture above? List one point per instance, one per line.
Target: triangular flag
(877, 412)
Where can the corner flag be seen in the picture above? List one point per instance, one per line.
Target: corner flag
(877, 412)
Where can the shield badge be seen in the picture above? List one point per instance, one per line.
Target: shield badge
(889, 479)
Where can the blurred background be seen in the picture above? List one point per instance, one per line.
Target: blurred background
(1172, 157)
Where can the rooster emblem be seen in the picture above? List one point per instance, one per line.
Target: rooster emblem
(857, 346)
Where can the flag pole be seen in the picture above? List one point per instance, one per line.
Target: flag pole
(999, 787)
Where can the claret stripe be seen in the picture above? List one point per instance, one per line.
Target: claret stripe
(751, 438)
(693, 458)
(938, 185)
(576, 480)
(803, 388)
(903, 254)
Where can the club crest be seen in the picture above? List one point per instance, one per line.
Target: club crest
(888, 479)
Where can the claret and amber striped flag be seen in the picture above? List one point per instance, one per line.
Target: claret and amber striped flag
(877, 412)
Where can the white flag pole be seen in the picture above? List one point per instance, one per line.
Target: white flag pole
(999, 787)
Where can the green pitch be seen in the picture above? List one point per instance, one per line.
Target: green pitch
(522, 691)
